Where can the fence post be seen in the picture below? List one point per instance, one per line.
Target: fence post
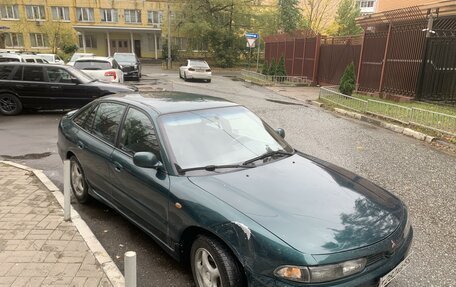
(360, 63)
(316, 59)
(66, 191)
(292, 62)
(130, 268)
(303, 56)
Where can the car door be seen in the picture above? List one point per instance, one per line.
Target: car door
(64, 89)
(33, 89)
(95, 144)
(142, 193)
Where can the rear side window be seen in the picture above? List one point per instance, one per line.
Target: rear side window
(5, 72)
(138, 134)
(92, 65)
(33, 73)
(107, 121)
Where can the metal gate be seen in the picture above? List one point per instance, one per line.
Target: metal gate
(438, 82)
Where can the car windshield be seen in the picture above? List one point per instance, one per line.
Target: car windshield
(199, 63)
(92, 65)
(221, 136)
(48, 58)
(83, 77)
(125, 58)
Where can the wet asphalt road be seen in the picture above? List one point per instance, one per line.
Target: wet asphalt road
(423, 176)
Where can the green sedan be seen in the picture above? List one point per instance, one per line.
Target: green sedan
(223, 192)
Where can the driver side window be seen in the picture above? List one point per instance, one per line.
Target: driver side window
(58, 75)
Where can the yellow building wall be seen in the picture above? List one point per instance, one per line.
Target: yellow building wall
(386, 5)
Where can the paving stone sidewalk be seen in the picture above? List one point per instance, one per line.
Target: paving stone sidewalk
(37, 247)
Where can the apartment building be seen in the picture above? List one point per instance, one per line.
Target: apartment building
(103, 27)
(386, 5)
(367, 6)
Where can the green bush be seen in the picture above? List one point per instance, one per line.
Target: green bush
(265, 68)
(347, 82)
(174, 52)
(280, 68)
(272, 68)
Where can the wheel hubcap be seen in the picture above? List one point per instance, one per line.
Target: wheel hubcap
(207, 272)
(7, 104)
(77, 179)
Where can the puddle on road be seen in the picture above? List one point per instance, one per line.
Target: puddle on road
(27, 156)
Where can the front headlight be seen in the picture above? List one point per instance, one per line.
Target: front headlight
(324, 273)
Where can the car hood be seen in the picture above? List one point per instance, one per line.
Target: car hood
(317, 208)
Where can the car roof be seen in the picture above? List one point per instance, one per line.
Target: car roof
(11, 55)
(95, 58)
(34, 64)
(171, 102)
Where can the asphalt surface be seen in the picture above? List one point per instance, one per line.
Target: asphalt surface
(423, 176)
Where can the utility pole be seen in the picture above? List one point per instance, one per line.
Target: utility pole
(169, 37)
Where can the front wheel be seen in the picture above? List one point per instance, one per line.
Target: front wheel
(213, 265)
(10, 105)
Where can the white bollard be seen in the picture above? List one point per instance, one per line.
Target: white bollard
(130, 269)
(66, 191)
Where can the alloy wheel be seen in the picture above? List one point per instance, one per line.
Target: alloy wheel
(8, 104)
(207, 272)
(77, 179)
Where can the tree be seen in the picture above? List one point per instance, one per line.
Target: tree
(346, 18)
(265, 68)
(290, 15)
(347, 82)
(272, 68)
(318, 13)
(280, 68)
(59, 35)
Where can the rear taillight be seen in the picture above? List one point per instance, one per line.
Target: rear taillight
(208, 70)
(111, 74)
(191, 69)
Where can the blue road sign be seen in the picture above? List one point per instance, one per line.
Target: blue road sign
(252, 35)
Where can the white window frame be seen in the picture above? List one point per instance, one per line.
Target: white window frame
(14, 37)
(136, 13)
(38, 12)
(90, 41)
(39, 37)
(60, 13)
(86, 13)
(106, 13)
(9, 12)
(154, 17)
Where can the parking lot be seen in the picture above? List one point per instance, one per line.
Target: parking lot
(423, 176)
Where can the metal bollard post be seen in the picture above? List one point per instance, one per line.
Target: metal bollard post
(130, 269)
(66, 191)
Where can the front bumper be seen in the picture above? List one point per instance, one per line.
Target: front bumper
(369, 277)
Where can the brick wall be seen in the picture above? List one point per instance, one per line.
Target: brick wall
(385, 5)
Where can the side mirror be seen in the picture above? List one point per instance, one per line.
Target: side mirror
(75, 81)
(280, 132)
(146, 160)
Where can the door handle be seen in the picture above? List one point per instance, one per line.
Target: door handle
(117, 166)
(55, 87)
(81, 145)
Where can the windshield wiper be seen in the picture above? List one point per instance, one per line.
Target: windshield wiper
(211, 167)
(268, 154)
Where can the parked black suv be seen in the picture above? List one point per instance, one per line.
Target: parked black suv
(130, 65)
(45, 86)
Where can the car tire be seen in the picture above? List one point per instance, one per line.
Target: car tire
(209, 80)
(185, 77)
(78, 181)
(213, 264)
(10, 105)
(180, 75)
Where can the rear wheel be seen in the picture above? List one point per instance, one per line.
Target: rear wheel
(185, 76)
(10, 105)
(78, 181)
(213, 265)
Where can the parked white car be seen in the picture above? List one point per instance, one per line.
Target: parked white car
(30, 58)
(77, 56)
(195, 69)
(102, 68)
(52, 58)
(25, 58)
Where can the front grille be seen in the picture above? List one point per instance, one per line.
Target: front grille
(128, 68)
(372, 259)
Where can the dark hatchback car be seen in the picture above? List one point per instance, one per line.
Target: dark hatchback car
(130, 65)
(46, 86)
(219, 189)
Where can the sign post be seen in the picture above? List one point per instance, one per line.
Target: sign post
(251, 39)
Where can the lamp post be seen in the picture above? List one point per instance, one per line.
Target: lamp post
(169, 38)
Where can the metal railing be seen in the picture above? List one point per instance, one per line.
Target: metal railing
(343, 100)
(436, 121)
(274, 80)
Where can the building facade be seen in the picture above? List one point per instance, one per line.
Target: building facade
(101, 27)
(387, 5)
(367, 6)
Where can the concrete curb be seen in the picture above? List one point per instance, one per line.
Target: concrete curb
(395, 128)
(109, 267)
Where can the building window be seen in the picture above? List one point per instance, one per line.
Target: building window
(91, 41)
(9, 12)
(108, 15)
(154, 18)
(367, 4)
(61, 13)
(35, 12)
(133, 16)
(14, 40)
(38, 40)
(84, 14)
